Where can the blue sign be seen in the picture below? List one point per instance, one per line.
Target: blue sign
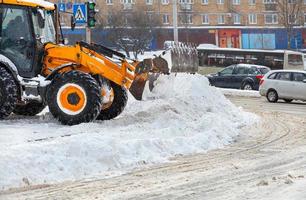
(80, 13)
(69, 5)
(62, 7)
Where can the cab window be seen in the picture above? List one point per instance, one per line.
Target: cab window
(16, 41)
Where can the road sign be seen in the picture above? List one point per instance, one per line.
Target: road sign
(62, 7)
(79, 13)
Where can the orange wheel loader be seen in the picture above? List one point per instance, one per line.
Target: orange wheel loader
(79, 83)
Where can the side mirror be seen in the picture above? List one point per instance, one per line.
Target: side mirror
(72, 23)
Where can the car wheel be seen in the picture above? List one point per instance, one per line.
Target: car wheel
(288, 100)
(247, 86)
(272, 96)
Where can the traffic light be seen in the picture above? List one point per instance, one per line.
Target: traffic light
(91, 14)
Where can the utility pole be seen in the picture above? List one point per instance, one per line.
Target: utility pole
(88, 35)
(175, 30)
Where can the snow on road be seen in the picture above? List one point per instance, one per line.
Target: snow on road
(183, 115)
(239, 93)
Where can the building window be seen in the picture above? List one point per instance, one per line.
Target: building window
(186, 1)
(252, 18)
(236, 2)
(271, 19)
(292, 19)
(205, 19)
(165, 2)
(165, 19)
(128, 1)
(186, 18)
(220, 1)
(205, 2)
(109, 2)
(237, 19)
(221, 19)
(252, 2)
(269, 1)
(149, 2)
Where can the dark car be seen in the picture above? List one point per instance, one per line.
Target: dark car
(239, 76)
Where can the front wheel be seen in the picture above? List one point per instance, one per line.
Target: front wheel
(74, 97)
(117, 102)
(272, 96)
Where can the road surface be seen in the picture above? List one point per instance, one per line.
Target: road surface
(261, 104)
(268, 162)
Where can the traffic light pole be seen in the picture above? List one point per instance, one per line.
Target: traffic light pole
(88, 35)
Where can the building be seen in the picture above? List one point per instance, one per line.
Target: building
(226, 23)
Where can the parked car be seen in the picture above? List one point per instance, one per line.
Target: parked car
(288, 85)
(239, 76)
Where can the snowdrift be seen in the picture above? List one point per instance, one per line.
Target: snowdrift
(183, 115)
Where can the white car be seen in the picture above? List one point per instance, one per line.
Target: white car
(288, 85)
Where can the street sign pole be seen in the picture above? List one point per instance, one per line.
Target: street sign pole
(88, 35)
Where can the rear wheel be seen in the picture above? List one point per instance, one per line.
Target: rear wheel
(247, 86)
(288, 100)
(8, 93)
(118, 100)
(272, 96)
(74, 97)
(30, 109)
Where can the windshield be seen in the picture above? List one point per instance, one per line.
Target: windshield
(44, 26)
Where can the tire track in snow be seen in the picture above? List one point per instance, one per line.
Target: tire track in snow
(203, 174)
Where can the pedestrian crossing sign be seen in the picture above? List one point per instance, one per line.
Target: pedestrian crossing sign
(79, 13)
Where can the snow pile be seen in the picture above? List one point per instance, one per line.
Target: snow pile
(183, 115)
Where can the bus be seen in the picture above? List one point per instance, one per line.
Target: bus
(213, 56)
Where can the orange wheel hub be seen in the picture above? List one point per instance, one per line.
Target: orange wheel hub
(72, 99)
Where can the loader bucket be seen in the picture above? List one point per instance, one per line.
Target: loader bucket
(184, 58)
(143, 73)
(181, 58)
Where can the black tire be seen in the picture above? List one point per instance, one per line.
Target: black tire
(30, 109)
(288, 100)
(91, 92)
(8, 93)
(272, 96)
(247, 86)
(118, 105)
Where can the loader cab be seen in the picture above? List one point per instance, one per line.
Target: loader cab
(23, 32)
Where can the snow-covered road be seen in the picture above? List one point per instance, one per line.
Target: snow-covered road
(182, 116)
(267, 162)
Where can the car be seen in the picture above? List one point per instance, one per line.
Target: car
(239, 76)
(288, 85)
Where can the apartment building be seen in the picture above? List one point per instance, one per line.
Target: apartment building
(226, 23)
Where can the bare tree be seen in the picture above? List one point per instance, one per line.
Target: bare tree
(131, 31)
(290, 15)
